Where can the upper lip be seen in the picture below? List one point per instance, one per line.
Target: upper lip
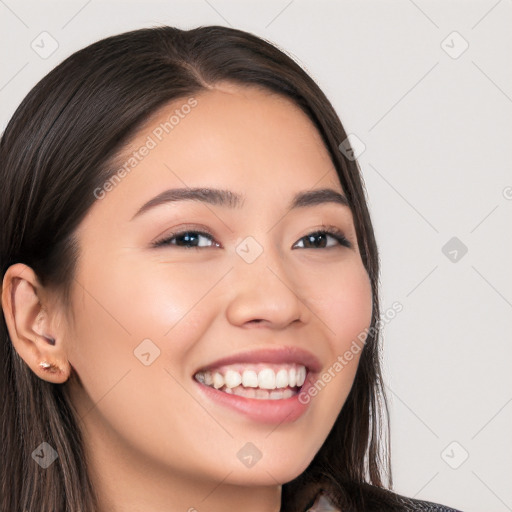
(287, 354)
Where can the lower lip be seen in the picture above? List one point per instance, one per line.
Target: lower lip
(280, 411)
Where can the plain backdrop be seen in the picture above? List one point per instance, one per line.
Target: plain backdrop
(426, 90)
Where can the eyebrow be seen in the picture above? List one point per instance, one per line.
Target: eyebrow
(229, 199)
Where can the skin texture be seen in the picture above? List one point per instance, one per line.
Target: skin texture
(153, 441)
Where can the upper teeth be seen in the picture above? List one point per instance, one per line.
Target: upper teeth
(262, 376)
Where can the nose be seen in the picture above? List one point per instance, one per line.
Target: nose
(265, 293)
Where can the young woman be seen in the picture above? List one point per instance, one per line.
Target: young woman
(190, 288)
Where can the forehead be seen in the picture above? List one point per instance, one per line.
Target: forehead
(241, 133)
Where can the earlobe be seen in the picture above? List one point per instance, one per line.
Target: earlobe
(28, 320)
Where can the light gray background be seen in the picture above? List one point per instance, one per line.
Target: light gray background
(437, 131)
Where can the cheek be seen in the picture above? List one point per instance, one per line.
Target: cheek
(350, 314)
(147, 303)
(342, 300)
(119, 307)
(350, 310)
(345, 311)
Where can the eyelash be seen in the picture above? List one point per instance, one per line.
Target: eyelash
(326, 230)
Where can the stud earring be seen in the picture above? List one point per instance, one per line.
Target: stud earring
(48, 366)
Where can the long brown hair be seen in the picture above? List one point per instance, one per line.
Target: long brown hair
(57, 149)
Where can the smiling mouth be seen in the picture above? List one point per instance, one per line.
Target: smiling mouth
(262, 381)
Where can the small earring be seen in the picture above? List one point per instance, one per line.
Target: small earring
(48, 366)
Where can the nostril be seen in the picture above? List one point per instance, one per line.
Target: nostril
(257, 321)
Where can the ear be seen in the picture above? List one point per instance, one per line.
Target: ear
(33, 324)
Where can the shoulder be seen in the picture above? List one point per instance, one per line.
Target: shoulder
(377, 498)
(404, 503)
(411, 504)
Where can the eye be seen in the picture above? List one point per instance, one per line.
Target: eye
(189, 239)
(318, 239)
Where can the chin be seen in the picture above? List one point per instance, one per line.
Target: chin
(268, 473)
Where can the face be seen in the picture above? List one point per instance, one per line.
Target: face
(168, 289)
